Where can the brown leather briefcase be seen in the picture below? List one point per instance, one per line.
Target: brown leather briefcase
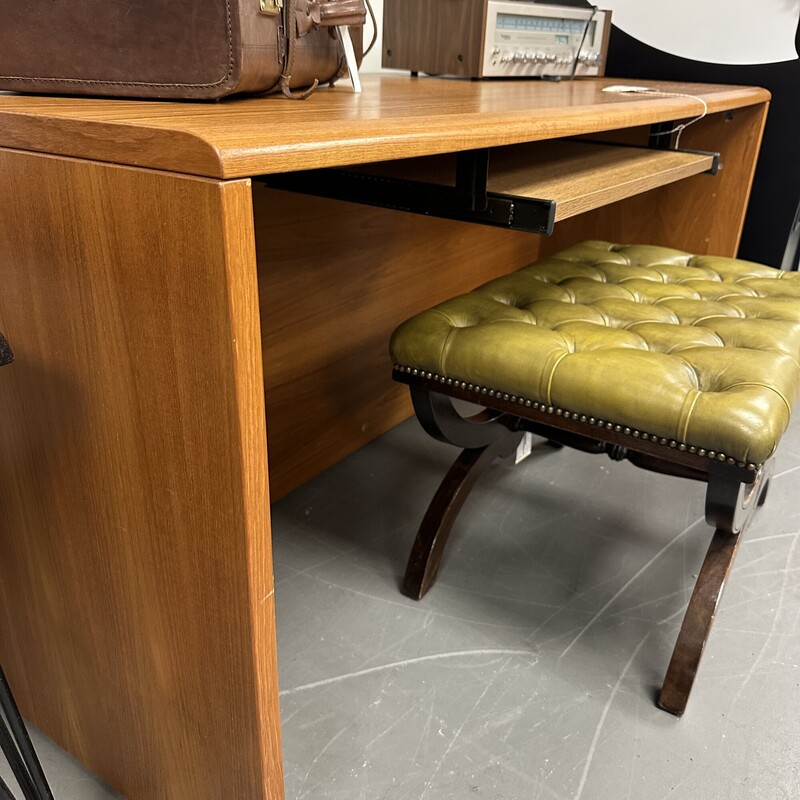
(181, 49)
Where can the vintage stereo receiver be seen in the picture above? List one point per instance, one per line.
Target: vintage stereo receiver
(494, 38)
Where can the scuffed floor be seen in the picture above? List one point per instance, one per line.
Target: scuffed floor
(530, 669)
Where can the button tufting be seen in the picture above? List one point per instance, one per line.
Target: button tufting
(699, 351)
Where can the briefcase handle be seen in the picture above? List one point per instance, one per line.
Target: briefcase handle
(329, 14)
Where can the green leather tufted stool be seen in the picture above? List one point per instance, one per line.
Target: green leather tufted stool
(685, 365)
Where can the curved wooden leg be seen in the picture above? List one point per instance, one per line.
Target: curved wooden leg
(426, 555)
(697, 622)
(729, 506)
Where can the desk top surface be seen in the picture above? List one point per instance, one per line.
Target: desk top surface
(395, 117)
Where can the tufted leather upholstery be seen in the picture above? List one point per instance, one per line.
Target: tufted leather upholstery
(698, 349)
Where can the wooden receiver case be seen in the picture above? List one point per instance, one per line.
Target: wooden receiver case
(494, 38)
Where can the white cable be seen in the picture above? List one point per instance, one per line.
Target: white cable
(679, 129)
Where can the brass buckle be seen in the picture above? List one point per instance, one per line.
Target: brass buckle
(270, 6)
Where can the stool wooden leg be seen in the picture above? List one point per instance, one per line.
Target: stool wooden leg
(697, 622)
(729, 506)
(426, 555)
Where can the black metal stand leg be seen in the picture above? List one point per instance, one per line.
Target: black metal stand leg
(18, 748)
(16, 763)
(5, 792)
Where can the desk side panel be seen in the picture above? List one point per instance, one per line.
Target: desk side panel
(335, 280)
(137, 626)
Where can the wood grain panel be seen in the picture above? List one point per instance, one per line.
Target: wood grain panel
(444, 37)
(335, 280)
(580, 176)
(135, 565)
(703, 214)
(395, 117)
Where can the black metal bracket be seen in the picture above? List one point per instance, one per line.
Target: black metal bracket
(662, 135)
(716, 162)
(472, 178)
(468, 200)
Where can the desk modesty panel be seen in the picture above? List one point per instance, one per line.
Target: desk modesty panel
(170, 314)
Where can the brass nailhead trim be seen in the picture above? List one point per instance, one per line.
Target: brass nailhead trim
(702, 452)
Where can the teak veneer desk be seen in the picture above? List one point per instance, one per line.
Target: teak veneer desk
(155, 296)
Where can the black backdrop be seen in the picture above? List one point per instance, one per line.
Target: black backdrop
(776, 188)
(775, 201)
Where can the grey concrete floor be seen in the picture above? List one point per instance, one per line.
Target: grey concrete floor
(530, 669)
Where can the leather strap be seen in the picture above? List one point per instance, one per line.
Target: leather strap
(311, 14)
